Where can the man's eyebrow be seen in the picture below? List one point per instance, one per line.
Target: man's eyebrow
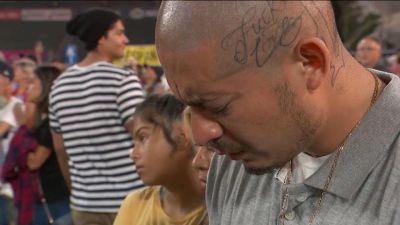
(195, 102)
(199, 101)
(190, 99)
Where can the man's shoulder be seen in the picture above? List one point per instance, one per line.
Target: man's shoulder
(97, 72)
(230, 188)
(222, 165)
(113, 68)
(395, 153)
(225, 174)
(99, 67)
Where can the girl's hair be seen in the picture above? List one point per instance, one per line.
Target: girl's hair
(162, 111)
(187, 117)
(46, 75)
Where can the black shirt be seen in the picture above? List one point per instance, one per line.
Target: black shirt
(50, 175)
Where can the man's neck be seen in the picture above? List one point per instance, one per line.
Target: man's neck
(347, 109)
(94, 57)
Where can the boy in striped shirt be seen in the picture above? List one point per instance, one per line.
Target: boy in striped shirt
(91, 106)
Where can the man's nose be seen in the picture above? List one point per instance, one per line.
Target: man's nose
(204, 129)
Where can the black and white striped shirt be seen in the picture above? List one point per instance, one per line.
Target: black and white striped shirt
(89, 107)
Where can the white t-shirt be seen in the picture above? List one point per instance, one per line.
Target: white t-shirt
(7, 115)
(303, 165)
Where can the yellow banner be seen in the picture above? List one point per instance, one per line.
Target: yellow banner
(144, 54)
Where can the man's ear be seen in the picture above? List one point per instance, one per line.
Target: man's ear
(315, 60)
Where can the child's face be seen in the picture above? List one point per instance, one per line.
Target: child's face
(153, 155)
(201, 163)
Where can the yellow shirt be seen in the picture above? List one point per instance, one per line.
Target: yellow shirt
(143, 207)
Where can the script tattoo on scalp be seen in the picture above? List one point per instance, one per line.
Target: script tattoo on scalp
(261, 32)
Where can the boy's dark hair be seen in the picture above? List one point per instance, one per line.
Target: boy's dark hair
(162, 111)
(91, 25)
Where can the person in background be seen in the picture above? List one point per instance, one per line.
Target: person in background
(8, 122)
(54, 199)
(395, 67)
(24, 182)
(131, 64)
(23, 73)
(59, 64)
(369, 54)
(163, 153)
(91, 106)
(38, 50)
(8, 126)
(151, 81)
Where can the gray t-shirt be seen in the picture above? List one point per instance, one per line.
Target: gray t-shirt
(365, 188)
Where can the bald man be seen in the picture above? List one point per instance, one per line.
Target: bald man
(369, 53)
(304, 133)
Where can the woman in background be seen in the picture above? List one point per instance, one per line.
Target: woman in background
(54, 199)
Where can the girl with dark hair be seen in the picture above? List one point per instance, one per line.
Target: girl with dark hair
(54, 194)
(163, 154)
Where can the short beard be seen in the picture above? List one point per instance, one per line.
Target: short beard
(307, 124)
(304, 122)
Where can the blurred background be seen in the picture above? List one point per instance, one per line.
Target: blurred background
(357, 19)
(29, 26)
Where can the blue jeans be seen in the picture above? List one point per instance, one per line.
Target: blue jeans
(7, 211)
(60, 211)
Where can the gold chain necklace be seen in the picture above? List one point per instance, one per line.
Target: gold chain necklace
(318, 206)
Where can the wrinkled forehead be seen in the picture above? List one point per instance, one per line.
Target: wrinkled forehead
(203, 77)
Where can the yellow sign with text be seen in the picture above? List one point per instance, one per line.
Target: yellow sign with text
(144, 54)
